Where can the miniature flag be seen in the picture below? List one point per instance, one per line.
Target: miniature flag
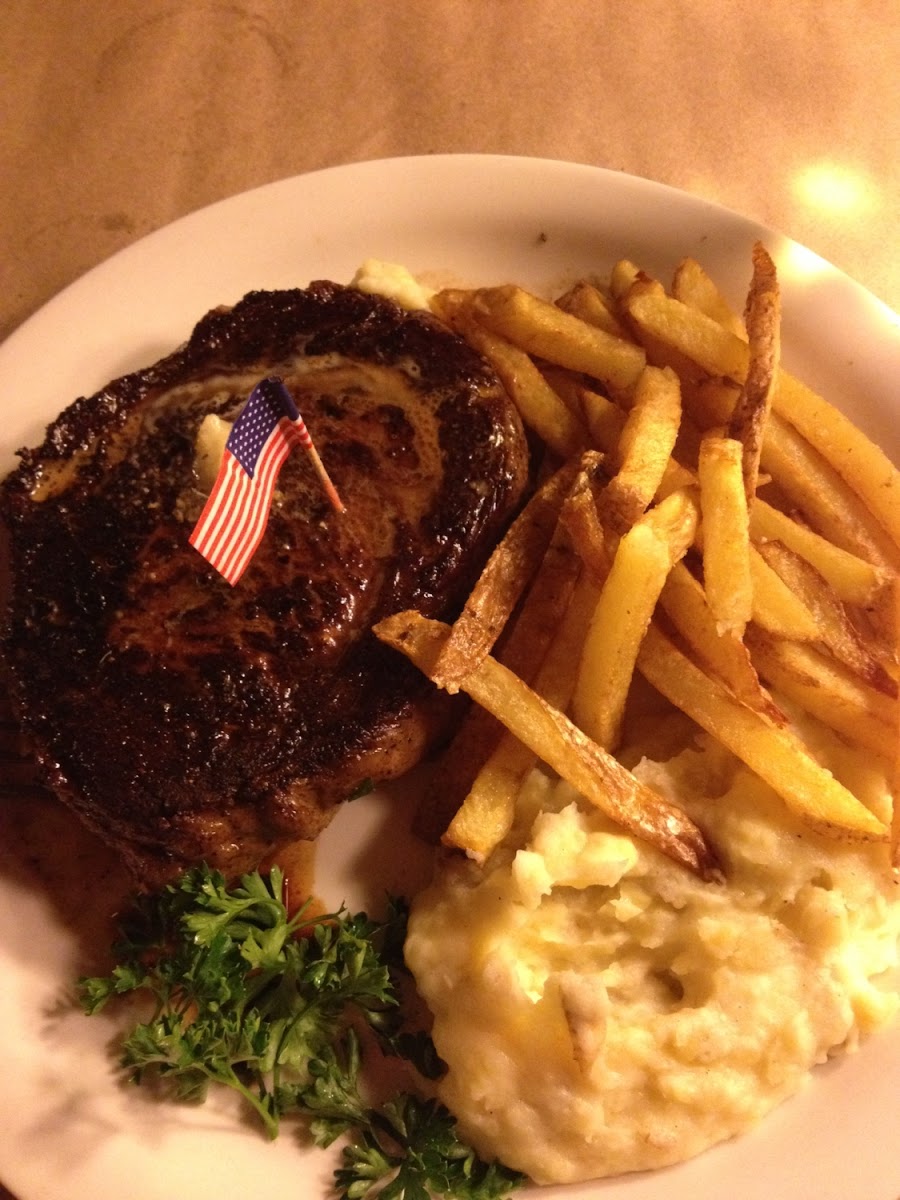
(234, 519)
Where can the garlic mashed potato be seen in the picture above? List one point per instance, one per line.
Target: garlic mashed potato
(601, 1010)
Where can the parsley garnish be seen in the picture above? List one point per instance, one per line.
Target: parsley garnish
(273, 1006)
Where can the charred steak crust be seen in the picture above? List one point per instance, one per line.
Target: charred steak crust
(186, 719)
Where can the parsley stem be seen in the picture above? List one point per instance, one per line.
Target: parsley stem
(232, 1080)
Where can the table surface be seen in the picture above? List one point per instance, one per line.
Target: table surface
(118, 118)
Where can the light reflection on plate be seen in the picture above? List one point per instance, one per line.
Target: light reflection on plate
(68, 1130)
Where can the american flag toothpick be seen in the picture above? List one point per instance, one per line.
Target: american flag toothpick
(234, 518)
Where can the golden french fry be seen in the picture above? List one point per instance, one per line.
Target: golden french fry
(693, 335)
(675, 477)
(661, 350)
(586, 302)
(807, 481)
(579, 516)
(751, 411)
(721, 654)
(642, 561)
(826, 690)
(854, 579)
(817, 490)
(623, 275)
(454, 772)
(694, 287)
(508, 572)
(774, 754)
(594, 773)
(486, 814)
(540, 408)
(528, 636)
(776, 608)
(535, 624)
(726, 533)
(864, 466)
(644, 450)
(567, 385)
(682, 336)
(542, 329)
(604, 419)
(837, 632)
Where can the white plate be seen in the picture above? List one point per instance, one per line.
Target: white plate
(68, 1130)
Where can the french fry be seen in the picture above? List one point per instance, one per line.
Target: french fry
(454, 772)
(855, 580)
(645, 447)
(721, 654)
(776, 608)
(751, 411)
(540, 408)
(801, 474)
(674, 478)
(863, 465)
(818, 491)
(694, 287)
(579, 516)
(692, 334)
(508, 572)
(584, 301)
(689, 335)
(661, 350)
(486, 814)
(604, 419)
(594, 773)
(528, 637)
(567, 385)
(643, 559)
(542, 329)
(837, 632)
(726, 533)
(826, 690)
(774, 754)
(622, 277)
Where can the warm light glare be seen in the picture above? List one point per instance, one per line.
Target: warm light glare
(834, 190)
(799, 264)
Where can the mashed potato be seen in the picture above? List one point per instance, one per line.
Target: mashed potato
(602, 1011)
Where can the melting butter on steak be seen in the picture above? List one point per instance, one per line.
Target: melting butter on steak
(184, 719)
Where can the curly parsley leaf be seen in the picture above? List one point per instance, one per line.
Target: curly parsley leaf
(249, 996)
(411, 1151)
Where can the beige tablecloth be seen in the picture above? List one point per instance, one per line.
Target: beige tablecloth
(118, 117)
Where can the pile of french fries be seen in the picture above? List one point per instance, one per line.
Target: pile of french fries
(702, 520)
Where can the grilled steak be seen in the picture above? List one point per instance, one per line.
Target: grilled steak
(184, 719)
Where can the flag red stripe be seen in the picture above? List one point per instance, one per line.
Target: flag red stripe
(247, 532)
(241, 528)
(223, 512)
(256, 512)
(235, 530)
(218, 506)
